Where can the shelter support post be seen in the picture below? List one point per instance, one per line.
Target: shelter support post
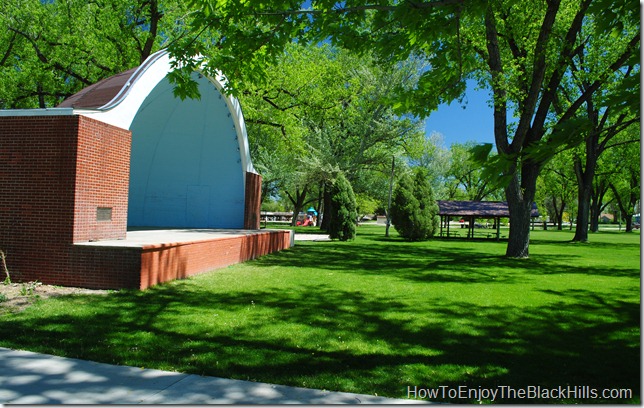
(470, 231)
(441, 233)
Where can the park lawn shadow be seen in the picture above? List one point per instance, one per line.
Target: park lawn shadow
(366, 316)
(356, 342)
(459, 262)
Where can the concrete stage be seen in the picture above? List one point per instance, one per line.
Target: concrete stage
(150, 256)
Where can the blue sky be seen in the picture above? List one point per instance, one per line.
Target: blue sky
(458, 125)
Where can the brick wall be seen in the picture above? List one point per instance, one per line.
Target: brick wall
(104, 267)
(253, 201)
(162, 263)
(102, 180)
(39, 187)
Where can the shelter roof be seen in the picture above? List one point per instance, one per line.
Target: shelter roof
(100, 93)
(478, 208)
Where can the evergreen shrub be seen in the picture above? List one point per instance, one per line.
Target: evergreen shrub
(342, 225)
(414, 212)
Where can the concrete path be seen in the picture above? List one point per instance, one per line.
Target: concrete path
(31, 378)
(311, 237)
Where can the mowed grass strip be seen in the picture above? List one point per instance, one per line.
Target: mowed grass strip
(375, 315)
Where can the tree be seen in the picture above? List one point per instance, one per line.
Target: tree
(599, 197)
(521, 51)
(51, 49)
(557, 187)
(365, 205)
(469, 175)
(323, 112)
(414, 212)
(342, 210)
(625, 183)
(436, 159)
(607, 112)
(526, 41)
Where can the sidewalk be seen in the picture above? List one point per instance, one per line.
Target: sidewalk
(311, 237)
(31, 378)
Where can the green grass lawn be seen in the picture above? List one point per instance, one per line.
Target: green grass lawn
(376, 315)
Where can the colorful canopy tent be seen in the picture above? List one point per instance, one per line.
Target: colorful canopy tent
(472, 210)
(189, 158)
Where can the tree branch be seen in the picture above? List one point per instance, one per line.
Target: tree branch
(499, 93)
(599, 82)
(366, 7)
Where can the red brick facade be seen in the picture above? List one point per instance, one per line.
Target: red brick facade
(55, 172)
(161, 263)
(64, 181)
(102, 181)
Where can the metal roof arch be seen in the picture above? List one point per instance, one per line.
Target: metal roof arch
(117, 100)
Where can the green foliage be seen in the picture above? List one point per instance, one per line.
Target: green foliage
(272, 205)
(365, 205)
(28, 289)
(557, 187)
(323, 111)
(469, 174)
(414, 212)
(343, 210)
(51, 49)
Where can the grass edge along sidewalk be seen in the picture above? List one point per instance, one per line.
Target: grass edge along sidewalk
(376, 316)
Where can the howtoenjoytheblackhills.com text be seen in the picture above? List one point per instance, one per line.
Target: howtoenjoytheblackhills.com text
(504, 392)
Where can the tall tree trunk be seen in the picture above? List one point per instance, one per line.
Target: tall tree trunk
(155, 17)
(594, 214)
(298, 203)
(558, 212)
(625, 206)
(326, 218)
(583, 211)
(560, 215)
(320, 204)
(519, 206)
(584, 191)
(597, 205)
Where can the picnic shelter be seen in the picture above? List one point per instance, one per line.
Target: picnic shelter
(470, 211)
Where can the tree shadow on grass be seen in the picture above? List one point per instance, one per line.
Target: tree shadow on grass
(327, 336)
(424, 262)
(323, 337)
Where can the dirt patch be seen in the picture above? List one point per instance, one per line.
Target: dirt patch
(15, 297)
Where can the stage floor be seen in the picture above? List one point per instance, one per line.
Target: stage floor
(147, 257)
(145, 237)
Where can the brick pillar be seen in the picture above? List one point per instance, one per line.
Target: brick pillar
(102, 181)
(253, 200)
(63, 179)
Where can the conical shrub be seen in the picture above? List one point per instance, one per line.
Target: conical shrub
(342, 225)
(414, 212)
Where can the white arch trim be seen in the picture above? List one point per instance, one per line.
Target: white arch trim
(122, 109)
